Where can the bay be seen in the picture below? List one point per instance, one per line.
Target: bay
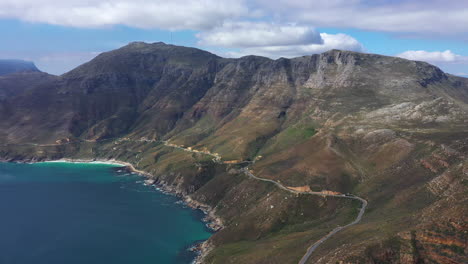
(90, 213)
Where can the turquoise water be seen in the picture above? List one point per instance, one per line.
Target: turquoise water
(66, 213)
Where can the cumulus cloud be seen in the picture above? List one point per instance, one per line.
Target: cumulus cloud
(274, 40)
(218, 21)
(433, 56)
(173, 15)
(403, 16)
(423, 17)
(330, 41)
(446, 60)
(249, 34)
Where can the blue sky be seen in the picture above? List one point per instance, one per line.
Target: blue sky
(59, 36)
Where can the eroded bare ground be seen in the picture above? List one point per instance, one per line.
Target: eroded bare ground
(296, 190)
(389, 130)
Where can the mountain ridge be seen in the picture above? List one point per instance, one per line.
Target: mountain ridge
(8, 66)
(387, 129)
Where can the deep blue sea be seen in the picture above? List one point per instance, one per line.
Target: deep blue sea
(67, 213)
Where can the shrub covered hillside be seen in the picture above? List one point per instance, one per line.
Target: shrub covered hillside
(389, 130)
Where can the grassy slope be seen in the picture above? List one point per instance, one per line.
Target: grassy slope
(319, 134)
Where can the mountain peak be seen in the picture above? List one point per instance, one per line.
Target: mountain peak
(11, 66)
(142, 44)
(384, 128)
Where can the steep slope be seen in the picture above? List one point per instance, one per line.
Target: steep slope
(102, 98)
(390, 130)
(12, 66)
(17, 83)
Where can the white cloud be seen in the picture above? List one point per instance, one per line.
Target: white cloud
(433, 56)
(330, 41)
(173, 15)
(405, 16)
(446, 60)
(274, 40)
(249, 34)
(214, 20)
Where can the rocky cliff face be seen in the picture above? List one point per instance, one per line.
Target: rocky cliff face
(387, 129)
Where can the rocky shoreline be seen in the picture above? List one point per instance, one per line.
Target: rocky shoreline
(213, 222)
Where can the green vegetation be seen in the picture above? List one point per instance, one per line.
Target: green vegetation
(301, 132)
(339, 121)
(288, 138)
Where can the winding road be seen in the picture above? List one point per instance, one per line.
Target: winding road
(217, 158)
(246, 171)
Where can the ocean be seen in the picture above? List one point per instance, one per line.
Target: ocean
(86, 213)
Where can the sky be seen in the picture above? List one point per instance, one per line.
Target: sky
(59, 35)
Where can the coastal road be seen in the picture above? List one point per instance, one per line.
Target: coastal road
(314, 246)
(217, 158)
(247, 172)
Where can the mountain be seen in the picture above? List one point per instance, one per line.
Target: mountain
(17, 75)
(386, 129)
(12, 66)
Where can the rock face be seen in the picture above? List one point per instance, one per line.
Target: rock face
(12, 66)
(387, 129)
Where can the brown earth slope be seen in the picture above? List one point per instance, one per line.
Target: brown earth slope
(392, 131)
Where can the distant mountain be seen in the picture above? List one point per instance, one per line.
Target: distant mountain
(12, 66)
(390, 130)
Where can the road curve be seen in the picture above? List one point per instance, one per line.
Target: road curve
(314, 246)
(246, 171)
(217, 158)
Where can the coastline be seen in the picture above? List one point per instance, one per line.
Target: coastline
(213, 222)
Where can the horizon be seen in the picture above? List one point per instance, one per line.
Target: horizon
(318, 131)
(247, 55)
(58, 37)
